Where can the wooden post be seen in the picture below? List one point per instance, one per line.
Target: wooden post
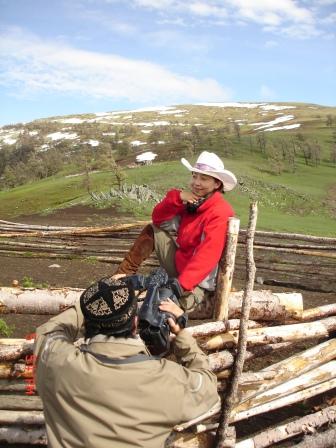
(225, 272)
(231, 398)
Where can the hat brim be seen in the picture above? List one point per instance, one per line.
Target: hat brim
(227, 178)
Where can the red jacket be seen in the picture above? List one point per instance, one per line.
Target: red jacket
(201, 236)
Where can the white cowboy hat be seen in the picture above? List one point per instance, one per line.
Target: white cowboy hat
(210, 164)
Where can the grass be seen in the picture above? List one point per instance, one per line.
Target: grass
(295, 202)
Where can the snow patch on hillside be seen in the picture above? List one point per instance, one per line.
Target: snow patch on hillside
(288, 126)
(269, 124)
(62, 135)
(137, 143)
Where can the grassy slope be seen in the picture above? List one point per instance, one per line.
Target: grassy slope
(290, 202)
(58, 192)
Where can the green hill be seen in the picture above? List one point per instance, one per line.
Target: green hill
(284, 154)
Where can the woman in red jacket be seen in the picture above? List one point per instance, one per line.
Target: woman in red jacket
(189, 230)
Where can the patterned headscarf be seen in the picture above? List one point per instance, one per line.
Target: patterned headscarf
(108, 306)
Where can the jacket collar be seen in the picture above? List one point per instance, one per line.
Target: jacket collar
(116, 347)
(210, 202)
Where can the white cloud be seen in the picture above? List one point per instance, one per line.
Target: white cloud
(31, 65)
(277, 17)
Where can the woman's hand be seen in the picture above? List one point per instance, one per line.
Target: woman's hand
(188, 196)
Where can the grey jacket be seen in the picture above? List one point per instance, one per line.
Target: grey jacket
(89, 403)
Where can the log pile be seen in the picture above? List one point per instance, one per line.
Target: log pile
(275, 324)
(294, 260)
(296, 378)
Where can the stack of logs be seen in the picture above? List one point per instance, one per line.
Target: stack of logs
(277, 323)
(281, 259)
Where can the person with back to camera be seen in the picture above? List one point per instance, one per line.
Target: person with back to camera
(109, 391)
(188, 231)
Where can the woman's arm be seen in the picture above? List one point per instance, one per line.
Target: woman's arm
(168, 208)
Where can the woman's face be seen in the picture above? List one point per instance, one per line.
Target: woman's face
(201, 184)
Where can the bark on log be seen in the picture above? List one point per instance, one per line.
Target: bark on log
(21, 402)
(271, 335)
(18, 435)
(325, 439)
(14, 370)
(304, 425)
(10, 352)
(21, 418)
(265, 304)
(225, 272)
(231, 397)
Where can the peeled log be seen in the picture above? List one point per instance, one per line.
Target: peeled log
(265, 304)
(287, 400)
(319, 312)
(224, 359)
(295, 365)
(21, 418)
(18, 434)
(272, 335)
(21, 402)
(211, 328)
(325, 372)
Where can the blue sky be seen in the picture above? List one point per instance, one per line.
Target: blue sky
(62, 57)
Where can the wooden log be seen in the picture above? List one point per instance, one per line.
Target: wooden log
(304, 425)
(231, 397)
(13, 386)
(319, 312)
(21, 418)
(187, 440)
(211, 328)
(225, 272)
(323, 373)
(295, 365)
(271, 335)
(265, 304)
(15, 370)
(21, 435)
(21, 402)
(314, 253)
(291, 236)
(224, 359)
(287, 400)
(325, 439)
(80, 230)
(295, 397)
(12, 352)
